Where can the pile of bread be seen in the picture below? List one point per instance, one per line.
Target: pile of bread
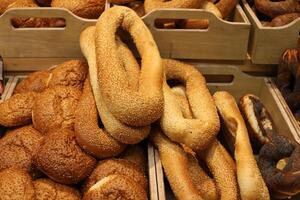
(222, 9)
(62, 121)
(276, 13)
(91, 9)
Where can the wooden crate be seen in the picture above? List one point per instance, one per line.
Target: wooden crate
(268, 43)
(152, 191)
(223, 40)
(242, 84)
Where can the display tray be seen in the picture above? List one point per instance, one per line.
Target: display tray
(151, 172)
(268, 43)
(212, 43)
(240, 85)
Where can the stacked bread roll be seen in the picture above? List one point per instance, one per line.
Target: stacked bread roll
(90, 9)
(275, 14)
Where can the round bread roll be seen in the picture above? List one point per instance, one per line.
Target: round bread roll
(113, 167)
(17, 147)
(55, 108)
(16, 111)
(60, 157)
(116, 187)
(83, 8)
(46, 189)
(35, 82)
(69, 73)
(16, 184)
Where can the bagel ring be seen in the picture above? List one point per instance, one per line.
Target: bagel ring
(285, 19)
(288, 78)
(226, 184)
(89, 136)
(286, 180)
(135, 108)
(118, 130)
(116, 187)
(196, 133)
(274, 8)
(258, 120)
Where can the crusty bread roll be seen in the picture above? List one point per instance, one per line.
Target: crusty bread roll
(251, 183)
(61, 158)
(46, 189)
(112, 167)
(16, 184)
(17, 148)
(83, 8)
(34, 82)
(55, 108)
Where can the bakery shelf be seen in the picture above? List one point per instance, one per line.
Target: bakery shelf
(223, 40)
(267, 44)
(240, 85)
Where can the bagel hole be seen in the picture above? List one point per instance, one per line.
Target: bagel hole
(37, 22)
(127, 39)
(175, 82)
(200, 24)
(100, 124)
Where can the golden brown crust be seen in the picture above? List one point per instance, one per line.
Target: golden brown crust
(23, 3)
(120, 131)
(16, 111)
(60, 157)
(89, 135)
(274, 9)
(55, 108)
(196, 133)
(35, 82)
(91, 9)
(115, 167)
(285, 19)
(251, 183)
(17, 148)
(116, 187)
(226, 6)
(222, 171)
(70, 73)
(204, 184)
(176, 168)
(135, 108)
(16, 184)
(151, 5)
(46, 189)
